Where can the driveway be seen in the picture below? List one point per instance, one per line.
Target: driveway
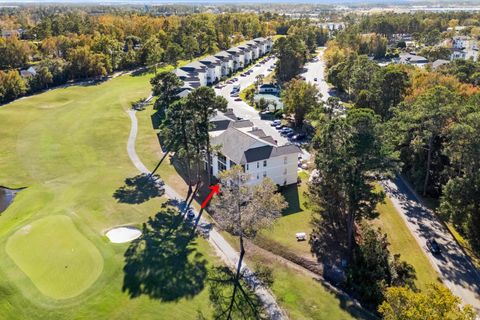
(454, 267)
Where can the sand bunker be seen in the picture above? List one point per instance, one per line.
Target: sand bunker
(123, 234)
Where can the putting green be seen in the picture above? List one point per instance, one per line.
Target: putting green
(57, 258)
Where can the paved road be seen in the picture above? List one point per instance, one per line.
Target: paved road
(243, 110)
(453, 266)
(314, 70)
(225, 250)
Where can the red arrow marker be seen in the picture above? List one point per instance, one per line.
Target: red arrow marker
(215, 189)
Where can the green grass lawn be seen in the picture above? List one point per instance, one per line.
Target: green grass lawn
(304, 297)
(56, 257)
(403, 242)
(297, 217)
(68, 147)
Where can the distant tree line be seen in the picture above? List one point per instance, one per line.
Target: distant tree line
(73, 44)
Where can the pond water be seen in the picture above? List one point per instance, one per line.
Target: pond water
(6, 197)
(271, 99)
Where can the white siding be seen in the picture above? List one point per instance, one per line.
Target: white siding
(280, 172)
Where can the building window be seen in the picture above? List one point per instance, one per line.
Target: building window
(285, 160)
(264, 174)
(285, 171)
(222, 163)
(258, 164)
(258, 176)
(264, 163)
(247, 167)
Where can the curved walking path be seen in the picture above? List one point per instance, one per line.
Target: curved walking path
(225, 250)
(454, 267)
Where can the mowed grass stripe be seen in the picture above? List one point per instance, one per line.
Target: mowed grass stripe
(57, 258)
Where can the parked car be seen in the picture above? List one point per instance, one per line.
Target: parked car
(275, 123)
(433, 246)
(279, 126)
(298, 137)
(315, 79)
(290, 134)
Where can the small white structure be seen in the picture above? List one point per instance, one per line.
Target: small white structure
(301, 236)
(240, 143)
(268, 88)
(28, 73)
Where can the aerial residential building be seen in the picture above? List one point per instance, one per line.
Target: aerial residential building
(214, 68)
(196, 70)
(411, 58)
(460, 42)
(238, 58)
(240, 143)
(438, 63)
(211, 69)
(247, 53)
(226, 61)
(464, 48)
(254, 48)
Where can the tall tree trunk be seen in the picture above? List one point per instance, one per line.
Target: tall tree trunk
(350, 231)
(209, 162)
(240, 259)
(429, 163)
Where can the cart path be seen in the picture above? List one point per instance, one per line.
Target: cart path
(225, 250)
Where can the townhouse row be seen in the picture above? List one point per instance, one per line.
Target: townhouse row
(211, 69)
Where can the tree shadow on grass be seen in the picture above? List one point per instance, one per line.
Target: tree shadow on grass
(233, 298)
(290, 193)
(164, 263)
(139, 189)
